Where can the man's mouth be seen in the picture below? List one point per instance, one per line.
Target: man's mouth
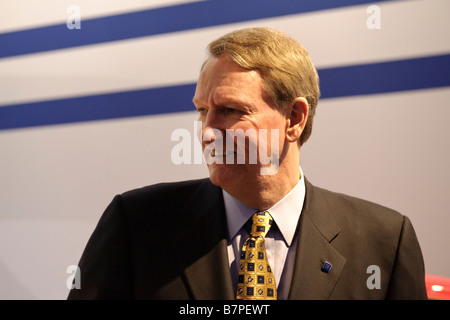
(220, 153)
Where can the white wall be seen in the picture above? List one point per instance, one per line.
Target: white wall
(56, 180)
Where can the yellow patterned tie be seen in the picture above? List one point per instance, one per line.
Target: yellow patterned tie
(256, 280)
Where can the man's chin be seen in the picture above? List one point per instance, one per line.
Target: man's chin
(224, 175)
(233, 176)
(218, 178)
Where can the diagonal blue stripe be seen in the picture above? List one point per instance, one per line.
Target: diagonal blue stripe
(391, 76)
(99, 107)
(157, 21)
(412, 74)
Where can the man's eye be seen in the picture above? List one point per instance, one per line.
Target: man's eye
(202, 111)
(230, 110)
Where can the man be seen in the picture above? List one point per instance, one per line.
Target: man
(192, 239)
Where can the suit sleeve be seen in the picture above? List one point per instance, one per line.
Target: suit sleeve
(408, 275)
(105, 271)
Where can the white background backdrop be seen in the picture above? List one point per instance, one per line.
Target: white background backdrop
(55, 181)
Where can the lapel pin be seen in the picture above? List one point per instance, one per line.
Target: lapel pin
(326, 267)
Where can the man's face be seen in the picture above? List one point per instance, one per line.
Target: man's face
(228, 98)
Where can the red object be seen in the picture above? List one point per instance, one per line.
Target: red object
(438, 288)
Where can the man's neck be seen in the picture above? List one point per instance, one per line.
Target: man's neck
(265, 191)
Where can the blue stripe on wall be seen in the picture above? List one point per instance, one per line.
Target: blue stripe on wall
(391, 76)
(99, 107)
(421, 73)
(157, 21)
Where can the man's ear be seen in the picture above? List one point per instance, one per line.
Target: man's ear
(297, 115)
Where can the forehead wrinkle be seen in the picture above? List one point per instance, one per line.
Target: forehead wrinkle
(230, 95)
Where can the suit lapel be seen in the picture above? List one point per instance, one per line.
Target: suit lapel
(317, 230)
(202, 245)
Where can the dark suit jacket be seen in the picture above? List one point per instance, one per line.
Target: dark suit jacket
(168, 241)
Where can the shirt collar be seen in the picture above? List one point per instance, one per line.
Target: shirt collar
(285, 212)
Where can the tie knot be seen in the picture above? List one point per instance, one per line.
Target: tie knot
(261, 222)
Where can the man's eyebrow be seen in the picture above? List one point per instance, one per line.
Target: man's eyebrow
(233, 102)
(225, 101)
(197, 102)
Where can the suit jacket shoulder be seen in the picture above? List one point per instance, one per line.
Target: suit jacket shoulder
(361, 217)
(363, 238)
(160, 203)
(158, 242)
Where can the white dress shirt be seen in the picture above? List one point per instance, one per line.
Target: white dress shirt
(279, 240)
